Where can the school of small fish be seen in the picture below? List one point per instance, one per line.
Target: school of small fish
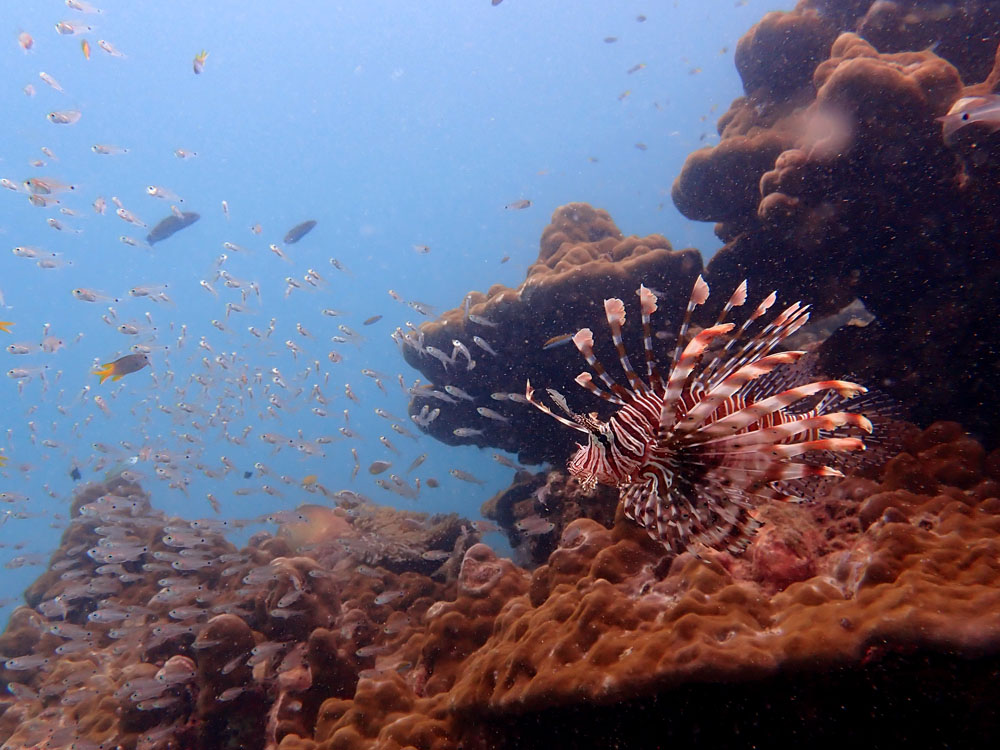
(290, 398)
(286, 395)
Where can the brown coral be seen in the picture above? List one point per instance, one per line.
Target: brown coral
(606, 622)
(582, 260)
(879, 584)
(862, 198)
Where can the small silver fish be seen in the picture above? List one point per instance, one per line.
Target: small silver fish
(466, 476)
(970, 110)
(65, 117)
(454, 390)
(478, 341)
(490, 414)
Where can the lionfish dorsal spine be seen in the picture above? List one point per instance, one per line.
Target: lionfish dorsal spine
(614, 310)
(787, 323)
(584, 342)
(586, 380)
(680, 374)
(647, 304)
(720, 393)
(699, 295)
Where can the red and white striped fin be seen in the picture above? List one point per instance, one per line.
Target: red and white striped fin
(753, 413)
(747, 472)
(681, 372)
(788, 322)
(647, 302)
(529, 395)
(781, 471)
(587, 381)
(584, 342)
(782, 432)
(723, 354)
(717, 519)
(783, 451)
(823, 444)
(614, 309)
(725, 390)
(699, 294)
(764, 306)
(737, 299)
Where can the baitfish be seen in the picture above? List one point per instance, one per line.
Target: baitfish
(171, 225)
(299, 231)
(969, 110)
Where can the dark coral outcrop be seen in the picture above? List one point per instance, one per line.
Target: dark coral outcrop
(838, 185)
(583, 258)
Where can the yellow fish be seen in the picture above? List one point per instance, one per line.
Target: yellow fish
(85, 46)
(310, 480)
(3, 460)
(199, 62)
(5, 325)
(122, 366)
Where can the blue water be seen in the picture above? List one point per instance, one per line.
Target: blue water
(392, 124)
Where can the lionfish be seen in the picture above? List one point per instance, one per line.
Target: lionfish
(696, 452)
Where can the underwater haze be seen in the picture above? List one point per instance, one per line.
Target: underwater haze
(409, 132)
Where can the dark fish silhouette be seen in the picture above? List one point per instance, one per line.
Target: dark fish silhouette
(299, 231)
(171, 225)
(122, 366)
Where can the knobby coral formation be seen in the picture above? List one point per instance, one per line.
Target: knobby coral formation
(150, 632)
(832, 182)
(359, 627)
(583, 258)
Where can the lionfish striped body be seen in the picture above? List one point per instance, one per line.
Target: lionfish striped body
(695, 452)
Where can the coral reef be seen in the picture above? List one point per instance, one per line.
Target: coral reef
(871, 614)
(149, 632)
(832, 182)
(582, 259)
(533, 511)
